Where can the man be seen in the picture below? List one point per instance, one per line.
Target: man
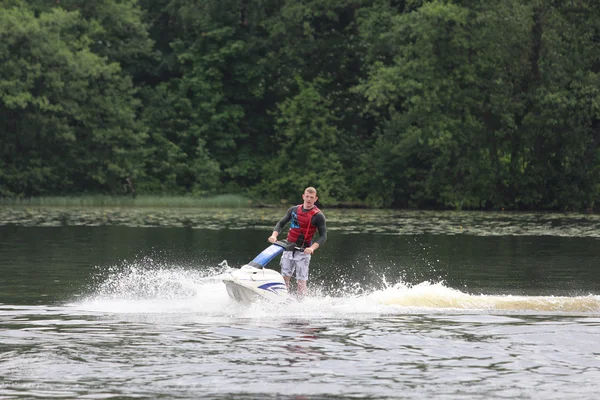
(306, 220)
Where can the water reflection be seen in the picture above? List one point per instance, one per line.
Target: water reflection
(394, 222)
(58, 350)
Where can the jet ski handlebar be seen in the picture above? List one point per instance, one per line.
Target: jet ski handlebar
(288, 246)
(261, 260)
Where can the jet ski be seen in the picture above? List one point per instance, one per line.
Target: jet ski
(253, 282)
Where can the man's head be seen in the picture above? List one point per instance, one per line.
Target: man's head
(309, 197)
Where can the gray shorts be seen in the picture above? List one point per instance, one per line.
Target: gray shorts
(295, 261)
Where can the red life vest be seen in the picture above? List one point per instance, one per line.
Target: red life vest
(301, 226)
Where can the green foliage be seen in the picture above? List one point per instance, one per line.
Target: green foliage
(564, 143)
(176, 160)
(68, 115)
(115, 28)
(460, 90)
(415, 103)
(161, 202)
(307, 136)
(215, 101)
(318, 41)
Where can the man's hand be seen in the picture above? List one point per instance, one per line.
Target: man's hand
(311, 249)
(272, 238)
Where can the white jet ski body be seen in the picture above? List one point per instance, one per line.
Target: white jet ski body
(254, 282)
(249, 284)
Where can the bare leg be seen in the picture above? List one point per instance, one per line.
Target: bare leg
(286, 279)
(302, 288)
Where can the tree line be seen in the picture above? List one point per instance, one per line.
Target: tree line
(471, 104)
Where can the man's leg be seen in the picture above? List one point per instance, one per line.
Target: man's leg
(302, 288)
(287, 268)
(302, 264)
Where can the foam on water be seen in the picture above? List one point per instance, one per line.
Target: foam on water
(438, 296)
(146, 288)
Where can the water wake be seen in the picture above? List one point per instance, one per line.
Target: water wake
(438, 296)
(145, 287)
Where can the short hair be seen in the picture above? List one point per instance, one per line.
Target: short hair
(311, 189)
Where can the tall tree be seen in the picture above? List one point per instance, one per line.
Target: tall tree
(307, 135)
(116, 29)
(459, 89)
(68, 115)
(217, 89)
(560, 166)
(317, 42)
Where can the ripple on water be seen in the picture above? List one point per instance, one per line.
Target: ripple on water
(395, 222)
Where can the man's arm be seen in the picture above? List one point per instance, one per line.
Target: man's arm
(286, 218)
(320, 222)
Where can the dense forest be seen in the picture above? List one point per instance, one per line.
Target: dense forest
(471, 104)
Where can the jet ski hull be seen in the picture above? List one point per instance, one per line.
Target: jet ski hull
(254, 282)
(250, 284)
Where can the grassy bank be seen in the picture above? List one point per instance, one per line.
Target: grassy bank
(222, 201)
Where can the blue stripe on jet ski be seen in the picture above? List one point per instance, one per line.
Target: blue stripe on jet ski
(272, 286)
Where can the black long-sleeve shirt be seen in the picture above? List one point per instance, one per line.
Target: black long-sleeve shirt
(318, 220)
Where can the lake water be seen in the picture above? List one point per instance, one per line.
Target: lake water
(124, 303)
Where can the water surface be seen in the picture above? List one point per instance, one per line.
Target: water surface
(126, 303)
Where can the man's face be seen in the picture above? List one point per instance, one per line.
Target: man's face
(309, 199)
